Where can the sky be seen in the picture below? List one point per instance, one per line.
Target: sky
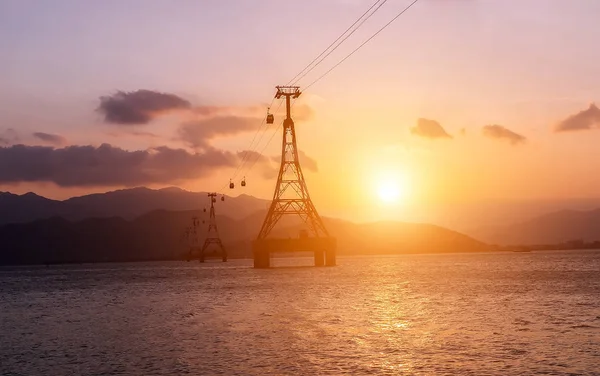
(456, 102)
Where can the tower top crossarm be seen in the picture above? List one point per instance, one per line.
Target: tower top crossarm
(288, 91)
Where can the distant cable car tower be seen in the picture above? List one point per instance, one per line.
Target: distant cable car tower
(191, 235)
(212, 236)
(291, 198)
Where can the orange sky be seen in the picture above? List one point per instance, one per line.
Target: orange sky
(461, 64)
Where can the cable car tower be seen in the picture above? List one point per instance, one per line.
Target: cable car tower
(212, 236)
(291, 198)
(191, 235)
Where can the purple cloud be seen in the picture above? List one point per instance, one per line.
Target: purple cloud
(107, 165)
(138, 107)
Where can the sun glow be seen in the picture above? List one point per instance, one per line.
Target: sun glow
(388, 192)
(392, 188)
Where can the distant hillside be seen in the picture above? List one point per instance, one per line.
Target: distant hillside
(126, 203)
(158, 236)
(29, 207)
(552, 228)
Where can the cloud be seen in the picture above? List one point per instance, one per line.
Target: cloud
(251, 156)
(199, 133)
(9, 137)
(429, 129)
(500, 132)
(107, 165)
(306, 162)
(138, 107)
(145, 134)
(251, 159)
(586, 119)
(141, 134)
(303, 112)
(50, 138)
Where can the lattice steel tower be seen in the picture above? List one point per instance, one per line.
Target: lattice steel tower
(212, 235)
(291, 198)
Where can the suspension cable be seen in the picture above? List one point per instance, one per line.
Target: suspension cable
(342, 41)
(361, 45)
(332, 43)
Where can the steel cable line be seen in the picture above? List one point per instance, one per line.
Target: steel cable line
(248, 152)
(265, 147)
(304, 72)
(249, 149)
(269, 141)
(338, 64)
(361, 45)
(259, 140)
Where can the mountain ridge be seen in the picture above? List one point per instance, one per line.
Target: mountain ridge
(127, 203)
(551, 228)
(158, 235)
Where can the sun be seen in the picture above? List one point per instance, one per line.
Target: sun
(388, 191)
(391, 189)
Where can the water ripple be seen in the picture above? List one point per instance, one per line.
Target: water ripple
(477, 314)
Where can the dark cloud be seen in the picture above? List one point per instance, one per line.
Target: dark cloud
(107, 165)
(138, 107)
(500, 132)
(586, 119)
(50, 138)
(199, 133)
(429, 129)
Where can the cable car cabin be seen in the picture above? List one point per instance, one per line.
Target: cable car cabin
(270, 119)
(231, 185)
(222, 198)
(243, 182)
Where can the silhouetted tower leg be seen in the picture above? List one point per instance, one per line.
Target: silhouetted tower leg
(212, 236)
(291, 198)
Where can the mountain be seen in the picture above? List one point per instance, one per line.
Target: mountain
(158, 236)
(126, 203)
(481, 216)
(28, 207)
(553, 228)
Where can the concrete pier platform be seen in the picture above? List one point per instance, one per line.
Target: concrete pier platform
(324, 249)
